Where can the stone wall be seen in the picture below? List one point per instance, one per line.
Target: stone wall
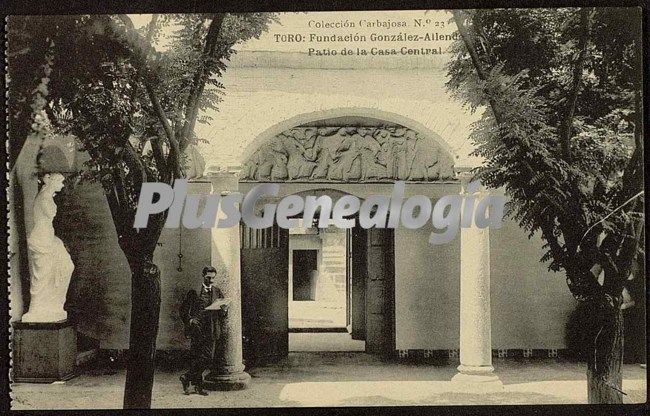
(333, 265)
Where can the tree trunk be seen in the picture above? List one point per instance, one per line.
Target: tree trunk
(145, 311)
(605, 356)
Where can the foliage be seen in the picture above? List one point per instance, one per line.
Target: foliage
(561, 127)
(563, 134)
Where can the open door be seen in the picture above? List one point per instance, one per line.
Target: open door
(265, 310)
(380, 291)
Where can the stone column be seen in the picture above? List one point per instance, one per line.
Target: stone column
(227, 371)
(475, 324)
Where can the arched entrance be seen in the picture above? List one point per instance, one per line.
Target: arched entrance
(334, 156)
(274, 265)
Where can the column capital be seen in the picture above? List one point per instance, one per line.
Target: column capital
(223, 178)
(467, 178)
(221, 170)
(465, 175)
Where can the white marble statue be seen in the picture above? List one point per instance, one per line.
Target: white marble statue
(50, 264)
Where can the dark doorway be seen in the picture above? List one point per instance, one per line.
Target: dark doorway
(305, 266)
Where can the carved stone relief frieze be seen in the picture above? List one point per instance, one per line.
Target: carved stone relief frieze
(349, 154)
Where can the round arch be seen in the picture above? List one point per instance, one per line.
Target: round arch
(334, 190)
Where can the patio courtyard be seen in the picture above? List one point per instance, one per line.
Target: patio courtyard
(338, 379)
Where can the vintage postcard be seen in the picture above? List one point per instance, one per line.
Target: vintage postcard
(377, 208)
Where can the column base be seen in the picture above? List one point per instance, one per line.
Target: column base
(479, 379)
(226, 382)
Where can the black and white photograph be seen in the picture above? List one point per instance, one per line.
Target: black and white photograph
(326, 209)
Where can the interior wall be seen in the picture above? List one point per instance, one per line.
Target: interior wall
(195, 247)
(427, 291)
(530, 304)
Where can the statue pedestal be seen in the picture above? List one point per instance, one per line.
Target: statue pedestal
(43, 352)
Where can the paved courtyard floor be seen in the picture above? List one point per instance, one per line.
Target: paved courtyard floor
(317, 314)
(339, 379)
(324, 341)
